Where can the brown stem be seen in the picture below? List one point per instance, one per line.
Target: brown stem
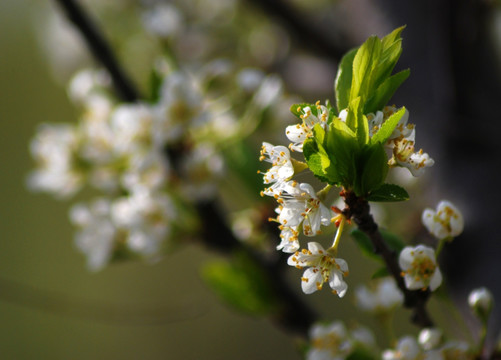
(358, 209)
(100, 49)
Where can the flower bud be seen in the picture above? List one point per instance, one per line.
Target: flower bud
(480, 301)
(430, 338)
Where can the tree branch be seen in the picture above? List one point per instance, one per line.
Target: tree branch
(307, 32)
(359, 209)
(100, 49)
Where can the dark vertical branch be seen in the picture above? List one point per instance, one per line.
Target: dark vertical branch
(100, 49)
(358, 209)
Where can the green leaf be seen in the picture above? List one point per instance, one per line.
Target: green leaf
(361, 354)
(392, 241)
(392, 37)
(388, 193)
(379, 273)
(391, 51)
(342, 148)
(364, 64)
(365, 244)
(357, 122)
(241, 284)
(385, 91)
(342, 85)
(317, 159)
(374, 169)
(388, 126)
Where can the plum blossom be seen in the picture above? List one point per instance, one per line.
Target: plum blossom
(300, 132)
(299, 204)
(446, 222)
(96, 235)
(281, 170)
(382, 297)
(329, 342)
(289, 239)
(419, 268)
(323, 267)
(54, 149)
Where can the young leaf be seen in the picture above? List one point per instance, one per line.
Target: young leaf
(393, 241)
(357, 122)
(374, 170)
(381, 272)
(342, 85)
(391, 51)
(392, 37)
(385, 91)
(317, 159)
(342, 148)
(388, 126)
(388, 193)
(364, 65)
(241, 284)
(365, 244)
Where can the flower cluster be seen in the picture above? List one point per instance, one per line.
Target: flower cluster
(428, 346)
(122, 151)
(333, 341)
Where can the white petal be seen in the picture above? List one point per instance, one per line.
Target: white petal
(312, 279)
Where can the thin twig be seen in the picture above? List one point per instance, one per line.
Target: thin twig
(100, 49)
(359, 209)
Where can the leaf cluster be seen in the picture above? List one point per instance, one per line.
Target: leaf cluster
(343, 153)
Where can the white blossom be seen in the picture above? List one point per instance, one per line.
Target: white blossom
(180, 108)
(329, 342)
(406, 349)
(300, 132)
(163, 20)
(299, 204)
(54, 150)
(146, 172)
(419, 268)
(289, 239)
(96, 233)
(446, 221)
(146, 218)
(85, 83)
(322, 266)
(383, 296)
(430, 338)
(405, 156)
(132, 128)
(281, 169)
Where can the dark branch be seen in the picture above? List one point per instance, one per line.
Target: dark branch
(358, 209)
(306, 32)
(100, 49)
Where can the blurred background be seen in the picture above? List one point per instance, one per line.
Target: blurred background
(52, 307)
